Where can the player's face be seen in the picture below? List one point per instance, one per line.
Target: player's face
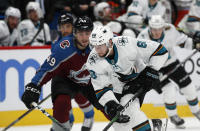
(33, 15)
(101, 50)
(83, 38)
(107, 13)
(66, 29)
(156, 33)
(13, 22)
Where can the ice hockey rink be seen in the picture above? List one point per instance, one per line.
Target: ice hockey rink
(191, 124)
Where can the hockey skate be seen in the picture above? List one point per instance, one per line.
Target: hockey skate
(177, 121)
(157, 124)
(197, 115)
(87, 124)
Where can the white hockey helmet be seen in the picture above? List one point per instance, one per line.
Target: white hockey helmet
(11, 11)
(99, 8)
(135, 21)
(115, 26)
(34, 6)
(101, 35)
(156, 22)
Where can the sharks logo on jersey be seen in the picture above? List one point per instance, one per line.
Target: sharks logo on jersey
(93, 58)
(122, 41)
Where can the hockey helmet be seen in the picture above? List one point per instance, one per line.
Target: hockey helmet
(156, 22)
(83, 23)
(65, 18)
(99, 8)
(34, 6)
(11, 11)
(101, 35)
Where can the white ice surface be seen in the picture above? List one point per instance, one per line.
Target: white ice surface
(191, 124)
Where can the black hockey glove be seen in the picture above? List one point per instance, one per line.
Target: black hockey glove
(112, 108)
(31, 94)
(147, 79)
(196, 40)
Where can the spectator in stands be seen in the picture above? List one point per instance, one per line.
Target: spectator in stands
(8, 35)
(83, 8)
(33, 31)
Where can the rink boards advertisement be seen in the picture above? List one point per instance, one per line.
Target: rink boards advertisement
(18, 66)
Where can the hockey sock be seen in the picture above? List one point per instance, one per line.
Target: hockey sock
(61, 108)
(71, 118)
(191, 96)
(145, 126)
(169, 97)
(85, 105)
(171, 109)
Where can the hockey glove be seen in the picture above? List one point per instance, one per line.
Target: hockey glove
(31, 94)
(112, 108)
(196, 40)
(147, 79)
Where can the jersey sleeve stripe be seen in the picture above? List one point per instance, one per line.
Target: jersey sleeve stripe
(161, 50)
(193, 19)
(131, 14)
(99, 93)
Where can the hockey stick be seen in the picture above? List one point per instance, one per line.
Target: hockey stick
(166, 124)
(140, 91)
(49, 116)
(26, 113)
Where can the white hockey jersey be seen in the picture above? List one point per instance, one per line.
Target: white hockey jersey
(170, 38)
(7, 39)
(131, 57)
(142, 7)
(27, 31)
(191, 22)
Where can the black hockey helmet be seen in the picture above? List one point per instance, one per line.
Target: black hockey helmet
(65, 18)
(83, 23)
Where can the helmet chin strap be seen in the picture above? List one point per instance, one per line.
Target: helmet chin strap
(109, 50)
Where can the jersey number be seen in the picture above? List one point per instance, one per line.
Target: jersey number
(51, 61)
(24, 32)
(141, 44)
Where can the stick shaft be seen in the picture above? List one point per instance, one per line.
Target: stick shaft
(26, 113)
(49, 116)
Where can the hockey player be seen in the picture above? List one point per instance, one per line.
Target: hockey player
(8, 35)
(33, 31)
(102, 12)
(67, 63)
(59, 84)
(168, 35)
(119, 67)
(191, 22)
(147, 8)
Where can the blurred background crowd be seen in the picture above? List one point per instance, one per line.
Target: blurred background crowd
(35, 23)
